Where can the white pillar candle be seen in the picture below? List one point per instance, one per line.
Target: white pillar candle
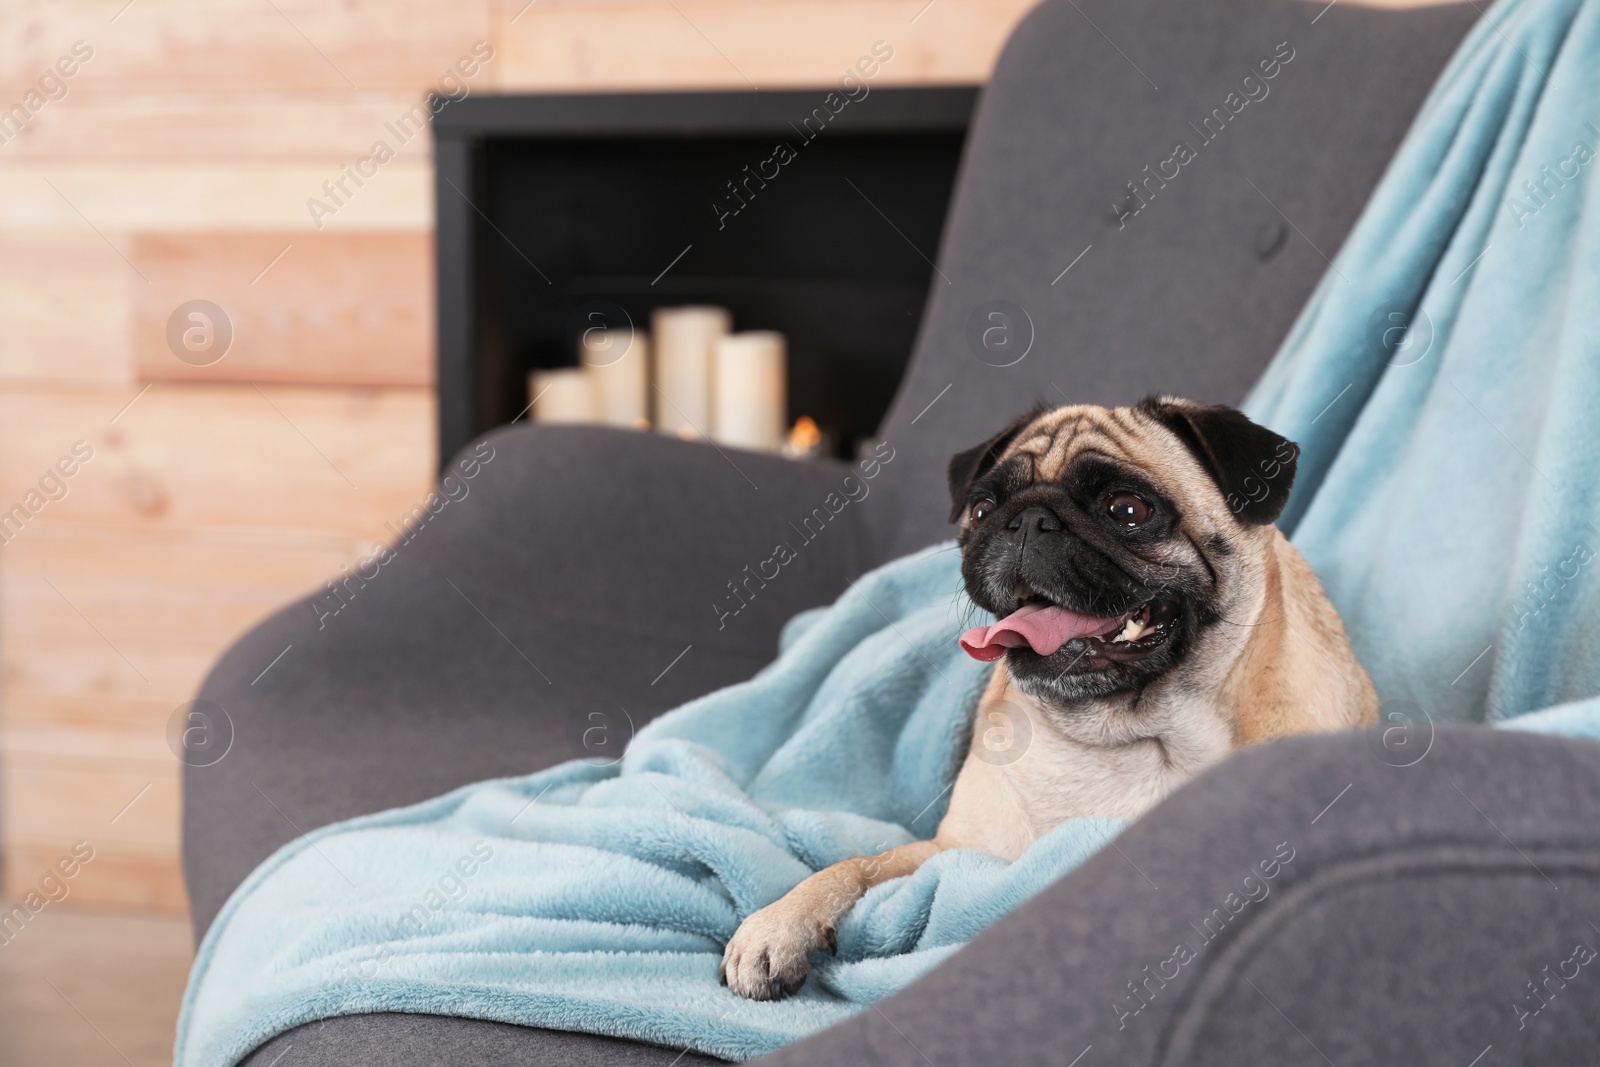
(749, 391)
(684, 338)
(618, 363)
(564, 395)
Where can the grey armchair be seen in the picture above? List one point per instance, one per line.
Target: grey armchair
(1406, 926)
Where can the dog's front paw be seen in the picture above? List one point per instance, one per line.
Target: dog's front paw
(768, 956)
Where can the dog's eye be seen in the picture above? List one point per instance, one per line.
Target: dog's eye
(981, 509)
(1128, 509)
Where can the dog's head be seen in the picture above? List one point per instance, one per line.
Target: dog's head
(1108, 541)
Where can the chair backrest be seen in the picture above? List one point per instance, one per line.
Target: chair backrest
(1150, 192)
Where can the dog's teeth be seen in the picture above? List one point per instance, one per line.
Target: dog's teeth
(1131, 632)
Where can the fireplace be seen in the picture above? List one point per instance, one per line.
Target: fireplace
(556, 212)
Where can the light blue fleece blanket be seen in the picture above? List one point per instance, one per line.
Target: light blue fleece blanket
(1445, 468)
(1444, 384)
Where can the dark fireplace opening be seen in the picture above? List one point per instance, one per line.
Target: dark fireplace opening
(552, 206)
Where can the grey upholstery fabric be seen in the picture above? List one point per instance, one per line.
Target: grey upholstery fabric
(578, 567)
(1191, 295)
(583, 562)
(431, 1040)
(1419, 904)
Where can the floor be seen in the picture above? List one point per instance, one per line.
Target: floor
(89, 989)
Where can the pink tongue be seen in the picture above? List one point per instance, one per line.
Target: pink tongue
(1042, 627)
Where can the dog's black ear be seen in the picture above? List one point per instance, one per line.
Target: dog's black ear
(967, 467)
(1253, 466)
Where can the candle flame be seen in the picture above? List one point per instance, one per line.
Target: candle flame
(804, 436)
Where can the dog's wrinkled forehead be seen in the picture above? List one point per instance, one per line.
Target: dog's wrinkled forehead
(1046, 447)
(1200, 451)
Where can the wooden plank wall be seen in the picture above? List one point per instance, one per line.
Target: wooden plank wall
(177, 166)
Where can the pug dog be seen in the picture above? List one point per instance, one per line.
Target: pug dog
(1151, 619)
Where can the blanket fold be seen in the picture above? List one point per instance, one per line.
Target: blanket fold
(1441, 384)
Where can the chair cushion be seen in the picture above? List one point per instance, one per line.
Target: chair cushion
(430, 1040)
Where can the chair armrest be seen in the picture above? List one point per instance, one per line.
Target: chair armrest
(1306, 902)
(578, 571)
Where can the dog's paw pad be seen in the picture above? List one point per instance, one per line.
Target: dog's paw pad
(768, 957)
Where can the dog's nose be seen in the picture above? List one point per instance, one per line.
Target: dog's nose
(1035, 520)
